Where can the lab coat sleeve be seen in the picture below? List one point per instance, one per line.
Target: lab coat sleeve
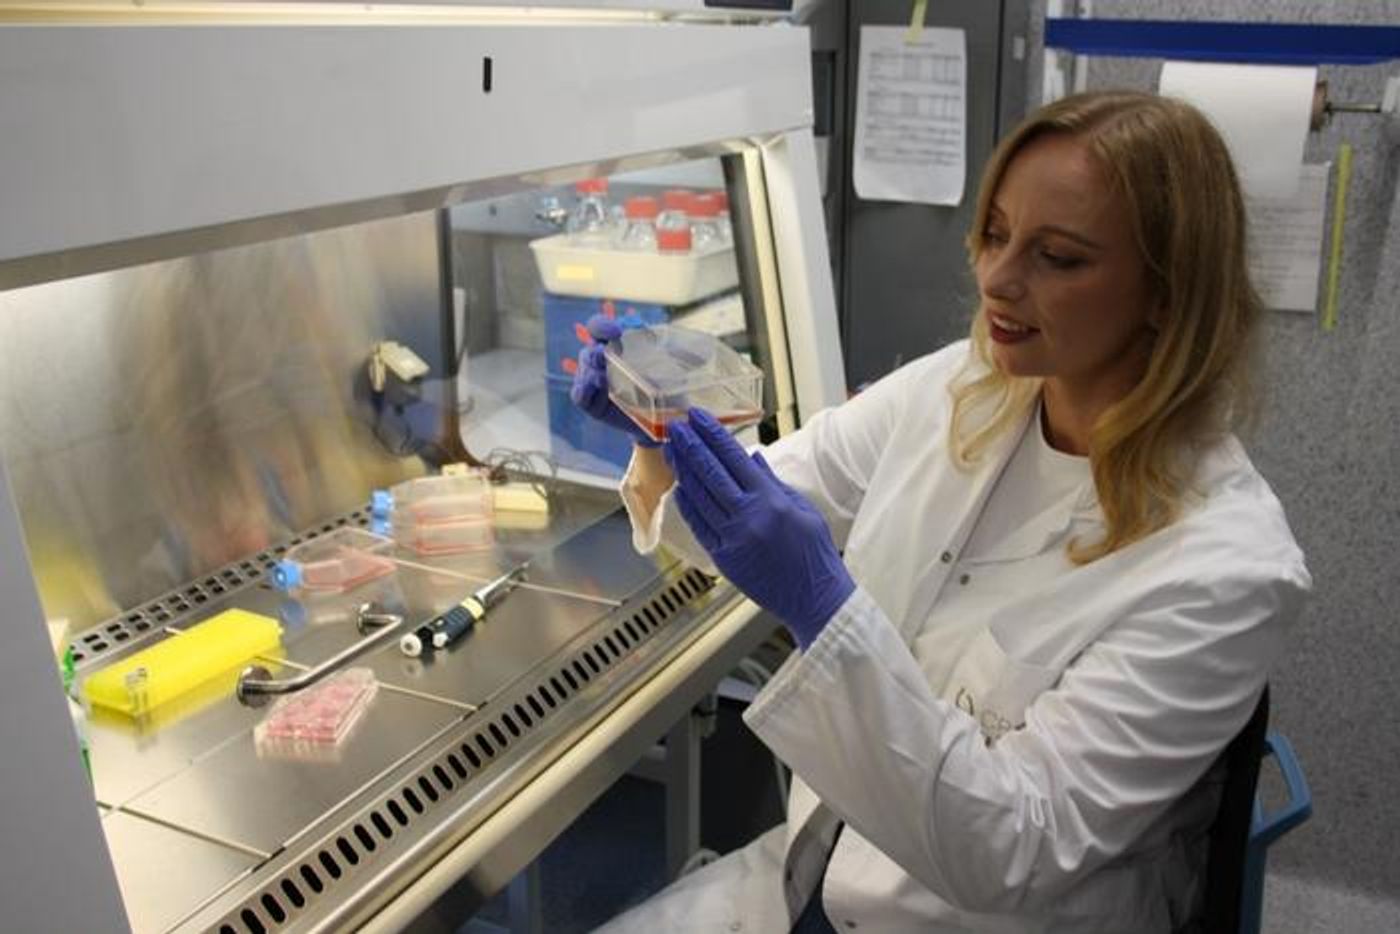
(1009, 826)
(830, 460)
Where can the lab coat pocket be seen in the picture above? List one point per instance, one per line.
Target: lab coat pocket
(994, 688)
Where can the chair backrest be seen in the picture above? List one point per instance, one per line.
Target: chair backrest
(1229, 835)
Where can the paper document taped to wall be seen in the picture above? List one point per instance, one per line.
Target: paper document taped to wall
(911, 116)
(1262, 111)
(1285, 242)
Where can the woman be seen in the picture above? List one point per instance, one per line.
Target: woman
(1063, 581)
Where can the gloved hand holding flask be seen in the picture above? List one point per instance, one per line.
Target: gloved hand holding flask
(590, 389)
(762, 534)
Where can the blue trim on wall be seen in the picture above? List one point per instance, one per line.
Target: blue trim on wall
(1270, 43)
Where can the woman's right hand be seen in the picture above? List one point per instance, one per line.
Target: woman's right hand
(590, 389)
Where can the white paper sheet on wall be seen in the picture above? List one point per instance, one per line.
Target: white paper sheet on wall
(911, 116)
(1285, 239)
(1262, 111)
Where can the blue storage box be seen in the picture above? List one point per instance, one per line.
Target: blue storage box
(566, 325)
(580, 442)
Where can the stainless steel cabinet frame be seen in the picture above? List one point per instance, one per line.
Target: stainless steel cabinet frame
(155, 138)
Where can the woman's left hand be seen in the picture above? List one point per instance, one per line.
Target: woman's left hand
(762, 534)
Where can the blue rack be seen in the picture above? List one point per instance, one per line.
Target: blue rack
(1260, 43)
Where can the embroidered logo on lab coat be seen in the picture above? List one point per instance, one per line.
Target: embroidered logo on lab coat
(995, 689)
(992, 723)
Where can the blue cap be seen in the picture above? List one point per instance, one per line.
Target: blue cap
(286, 575)
(380, 526)
(381, 503)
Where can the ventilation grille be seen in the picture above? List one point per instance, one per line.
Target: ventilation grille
(338, 857)
(173, 607)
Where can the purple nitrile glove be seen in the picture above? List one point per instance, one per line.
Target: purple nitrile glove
(590, 389)
(762, 534)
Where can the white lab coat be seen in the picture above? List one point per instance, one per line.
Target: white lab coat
(1077, 797)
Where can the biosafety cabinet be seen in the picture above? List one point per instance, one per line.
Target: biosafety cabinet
(259, 261)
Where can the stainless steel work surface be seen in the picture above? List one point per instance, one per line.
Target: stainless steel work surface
(593, 558)
(130, 755)
(525, 627)
(165, 874)
(261, 800)
(365, 852)
(599, 561)
(303, 617)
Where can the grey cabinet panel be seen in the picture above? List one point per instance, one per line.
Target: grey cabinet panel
(827, 25)
(906, 289)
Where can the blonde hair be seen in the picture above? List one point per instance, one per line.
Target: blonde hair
(1174, 174)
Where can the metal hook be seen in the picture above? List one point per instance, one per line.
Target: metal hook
(256, 686)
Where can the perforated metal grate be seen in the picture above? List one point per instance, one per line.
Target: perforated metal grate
(341, 855)
(171, 608)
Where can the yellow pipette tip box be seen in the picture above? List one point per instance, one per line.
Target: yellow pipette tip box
(175, 666)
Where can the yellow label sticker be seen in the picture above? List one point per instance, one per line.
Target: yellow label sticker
(916, 21)
(1339, 223)
(575, 273)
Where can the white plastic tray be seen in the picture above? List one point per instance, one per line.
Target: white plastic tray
(660, 278)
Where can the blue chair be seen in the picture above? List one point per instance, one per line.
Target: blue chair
(1243, 832)
(1266, 828)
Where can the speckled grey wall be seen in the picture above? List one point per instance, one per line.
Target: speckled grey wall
(1329, 442)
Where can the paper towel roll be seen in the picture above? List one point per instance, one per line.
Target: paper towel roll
(1262, 111)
